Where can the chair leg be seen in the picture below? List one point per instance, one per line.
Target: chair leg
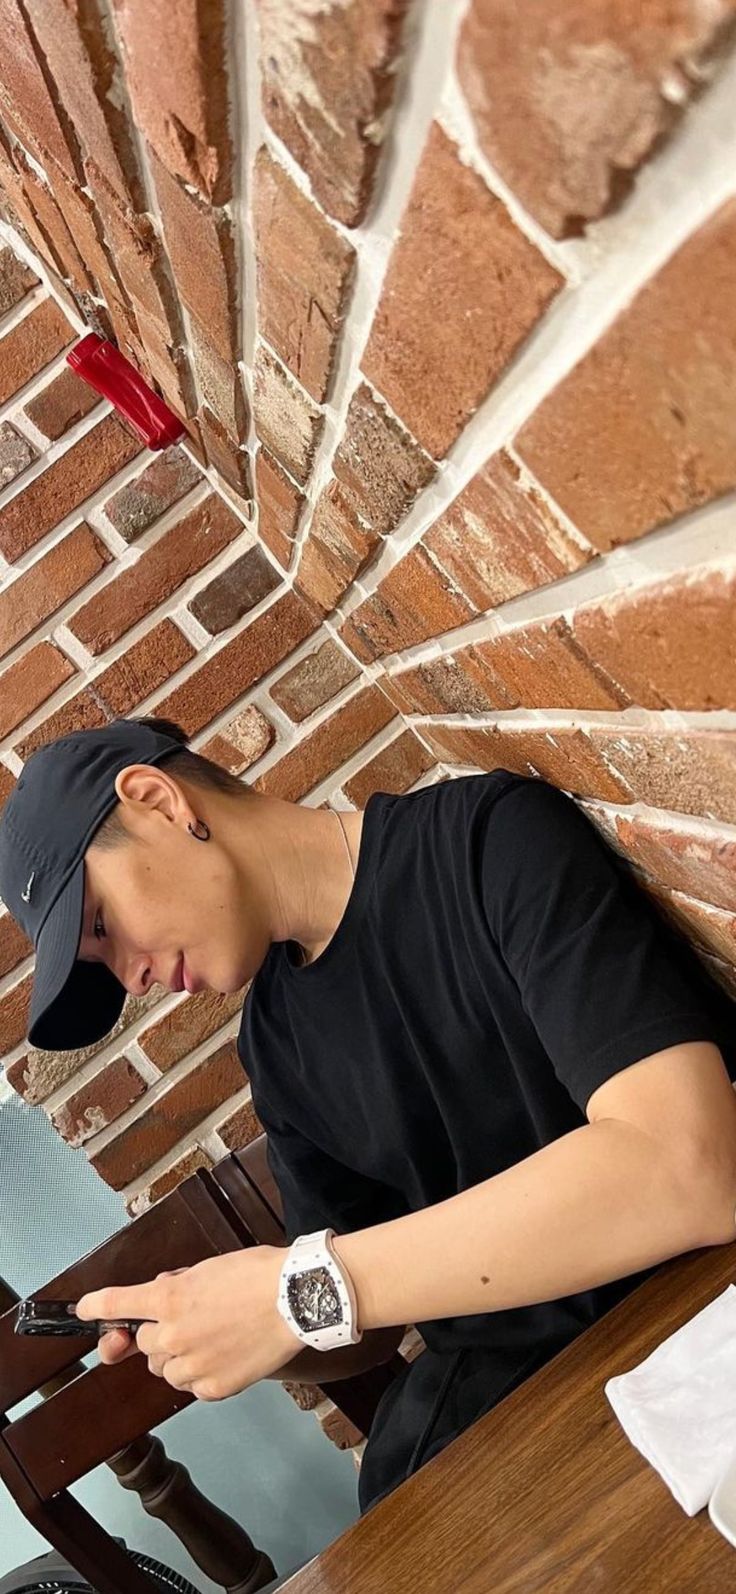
(219, 1545)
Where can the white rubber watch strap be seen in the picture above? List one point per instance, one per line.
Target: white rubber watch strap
(315, 1251)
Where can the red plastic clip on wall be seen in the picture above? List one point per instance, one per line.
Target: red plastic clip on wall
(107, 370)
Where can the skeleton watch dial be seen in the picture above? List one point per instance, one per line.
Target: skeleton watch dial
(314, 1300)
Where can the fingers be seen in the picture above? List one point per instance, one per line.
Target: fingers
(116, 1346)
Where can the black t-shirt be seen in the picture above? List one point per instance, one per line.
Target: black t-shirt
(496, 963)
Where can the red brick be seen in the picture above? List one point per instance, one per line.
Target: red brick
(413, 602)
(135, 507)
(99, 1101)
(14, 947)
(340, 1430)
(699, 862)
(24, 89)
(202, 250)
(65, 485)
(16, 454)
(230, 595)
(669, 645)
(710, 928)
(175, 70)
(16, 280)
(183, 550)
(565, 758)
(378, 473)
(80, 713)
(180, 1169)
(328, 82)
(313, 681)
(186, 1026)
(544, 667)
(305, 271)
(164, 366)
(497, 539)
(395, 769)
(14, 1011)
(32, 343)
(379, 466)
(279, 507)
(691, 771)
(140, 261)
(287, 420)
(241, 1127)
(143, 669)
(454, 684)
(241, 743)
(170, 1118)
(458, 249)
(85, 227)
(338, 547)
(27, 684)
(40, 1073)
(220, 384)
(64, 248)
(318, 755)
(74, 43)
(569, 105)
(224, 454)
(66, 400)
(252, 654)
(622, 457)
(15, 206)
(7, 785)
(49, 584)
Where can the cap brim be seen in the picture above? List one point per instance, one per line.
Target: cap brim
(73, 1004)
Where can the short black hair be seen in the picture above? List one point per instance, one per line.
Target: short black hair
(185, 764)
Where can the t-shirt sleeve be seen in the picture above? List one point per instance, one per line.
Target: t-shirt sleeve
(317, 1191)
(602, 978)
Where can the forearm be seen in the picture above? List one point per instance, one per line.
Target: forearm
(596, 1205)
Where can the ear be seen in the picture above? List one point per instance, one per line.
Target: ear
(144, 789)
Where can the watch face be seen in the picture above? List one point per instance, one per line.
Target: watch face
(314, 1300)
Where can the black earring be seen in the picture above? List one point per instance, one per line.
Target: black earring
(194, 830)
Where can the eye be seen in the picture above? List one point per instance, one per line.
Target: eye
(99, 928)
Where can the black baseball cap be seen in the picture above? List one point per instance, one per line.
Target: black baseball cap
(65, 792)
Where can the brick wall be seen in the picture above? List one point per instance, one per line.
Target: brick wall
(449, 308)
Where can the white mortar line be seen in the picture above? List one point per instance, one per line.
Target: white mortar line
(428, 49)
(353, 765)
(55, 451)
(246, 126)
(662, 721)
(53, 284)
(673, 197)
(18, 312)
(699, 541)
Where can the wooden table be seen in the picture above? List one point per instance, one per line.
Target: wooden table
(546, 1494)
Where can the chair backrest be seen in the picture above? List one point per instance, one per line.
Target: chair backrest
(90, 1419)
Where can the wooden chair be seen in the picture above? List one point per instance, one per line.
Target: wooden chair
(103, 1414)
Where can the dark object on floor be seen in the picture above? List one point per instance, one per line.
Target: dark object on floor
(51, 1574)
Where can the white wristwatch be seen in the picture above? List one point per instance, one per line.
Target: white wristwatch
(316, 1296)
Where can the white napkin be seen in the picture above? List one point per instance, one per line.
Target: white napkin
(679, 1406)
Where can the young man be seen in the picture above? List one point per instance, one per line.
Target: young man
(480, 1058)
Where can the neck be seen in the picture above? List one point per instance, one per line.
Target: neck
(295, 869)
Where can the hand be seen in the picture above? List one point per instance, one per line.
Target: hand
(214, 1328)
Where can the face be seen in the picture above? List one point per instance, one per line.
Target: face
(162, 907)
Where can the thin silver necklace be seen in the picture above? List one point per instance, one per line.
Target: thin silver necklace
(341, 823)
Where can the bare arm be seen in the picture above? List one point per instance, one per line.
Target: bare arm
(653, 1175)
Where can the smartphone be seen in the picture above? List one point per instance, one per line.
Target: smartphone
(59, 1318)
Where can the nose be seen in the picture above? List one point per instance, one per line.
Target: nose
(137, 976)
